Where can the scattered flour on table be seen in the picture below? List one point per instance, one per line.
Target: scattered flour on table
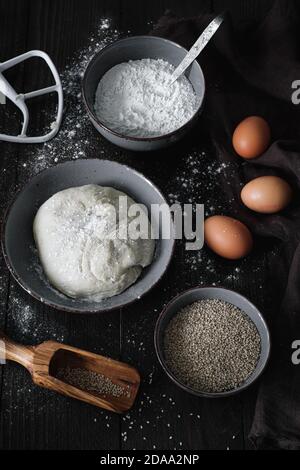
(76, 136)
(29, 324)
(136, 98)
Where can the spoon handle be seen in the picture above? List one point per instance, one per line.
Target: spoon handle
(9, 350)
(197, 47)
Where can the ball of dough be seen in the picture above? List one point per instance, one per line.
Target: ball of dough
(76, 234)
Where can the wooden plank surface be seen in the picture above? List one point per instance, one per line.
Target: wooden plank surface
(11, 44)
(164, 417)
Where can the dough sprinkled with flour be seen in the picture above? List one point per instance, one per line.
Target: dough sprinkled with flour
(136, 99)
(77, 233)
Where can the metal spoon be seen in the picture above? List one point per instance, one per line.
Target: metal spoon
(197, 47)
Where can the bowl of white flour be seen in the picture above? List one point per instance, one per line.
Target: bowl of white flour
(129, 98)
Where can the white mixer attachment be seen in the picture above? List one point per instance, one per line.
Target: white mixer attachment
(19, 99)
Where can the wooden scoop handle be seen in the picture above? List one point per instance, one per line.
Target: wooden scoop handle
(11, 351)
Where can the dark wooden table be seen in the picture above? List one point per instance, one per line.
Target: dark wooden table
(164, 417)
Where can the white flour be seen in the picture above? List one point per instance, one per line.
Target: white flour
(134, 98)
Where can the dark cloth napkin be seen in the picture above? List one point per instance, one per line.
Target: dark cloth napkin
(249, 70)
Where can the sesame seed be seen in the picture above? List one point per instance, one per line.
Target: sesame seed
(90, 381)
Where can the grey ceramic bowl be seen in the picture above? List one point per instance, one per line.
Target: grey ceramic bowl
(202, 293)
(17, 237)
(135, 48)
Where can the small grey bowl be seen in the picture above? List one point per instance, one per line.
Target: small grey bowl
(17, 235)
(135, 48)
(202, 293)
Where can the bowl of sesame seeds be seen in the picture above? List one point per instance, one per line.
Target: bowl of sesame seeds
(212, 342)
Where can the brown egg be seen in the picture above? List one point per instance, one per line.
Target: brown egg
(252, 137)
(227, 237)
(267, 194)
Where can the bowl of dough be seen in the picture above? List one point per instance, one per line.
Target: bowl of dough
(130, 98)
(82, 236)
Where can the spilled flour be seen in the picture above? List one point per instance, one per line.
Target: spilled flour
(74, 138)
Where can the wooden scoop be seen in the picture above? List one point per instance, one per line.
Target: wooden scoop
(46, 361)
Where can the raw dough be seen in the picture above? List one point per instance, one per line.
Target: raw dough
(72, 231)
